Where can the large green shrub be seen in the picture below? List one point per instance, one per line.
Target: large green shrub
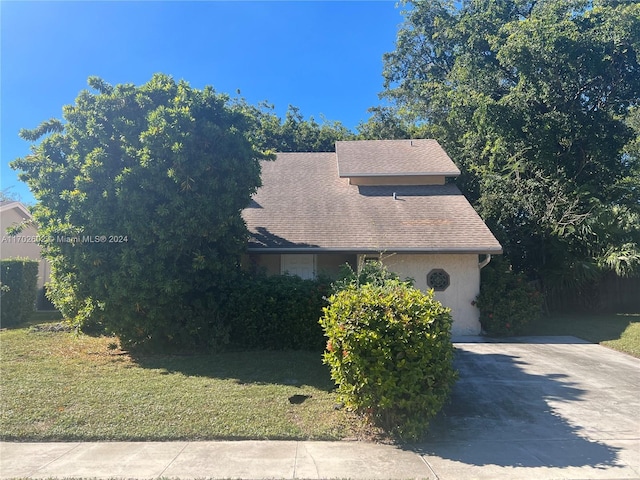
(140, 192)
(18, 280)
(390, 352)
(277, 312)
(507, 301)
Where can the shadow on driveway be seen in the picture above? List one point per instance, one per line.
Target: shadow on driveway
(532, 405)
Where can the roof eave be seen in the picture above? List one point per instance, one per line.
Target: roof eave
(15, 205)
(410, 174)
(452, 250)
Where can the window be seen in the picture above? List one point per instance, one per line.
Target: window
(302, 265)
(438, 279)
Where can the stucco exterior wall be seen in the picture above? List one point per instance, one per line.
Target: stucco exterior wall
(22, 245)
(464, 275)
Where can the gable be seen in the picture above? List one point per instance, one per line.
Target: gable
(13, 214)
(17, 209)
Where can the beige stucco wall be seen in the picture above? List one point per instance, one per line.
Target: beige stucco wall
(464, 275)
(22, 245)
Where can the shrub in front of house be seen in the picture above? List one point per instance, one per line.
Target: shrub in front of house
(18, 280)
(507, 301)
(390, 353)
(277, 312)
(372, 272)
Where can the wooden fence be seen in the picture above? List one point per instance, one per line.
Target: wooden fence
(611, 294)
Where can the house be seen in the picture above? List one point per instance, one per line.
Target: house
(372, 198)
(24, 244)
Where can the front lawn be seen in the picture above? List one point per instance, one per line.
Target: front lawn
(60, 386)
(618, 331)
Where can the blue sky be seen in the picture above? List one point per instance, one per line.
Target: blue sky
(323, 57)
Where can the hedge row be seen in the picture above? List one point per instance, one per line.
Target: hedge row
(18, 285)
(278, 312)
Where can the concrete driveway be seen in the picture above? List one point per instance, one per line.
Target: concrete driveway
(538, 407)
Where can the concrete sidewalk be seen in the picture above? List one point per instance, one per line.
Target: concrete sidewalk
(530, 408)
(243, 459)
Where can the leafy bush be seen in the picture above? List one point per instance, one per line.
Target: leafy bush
(371, 271)
(140, 192)
(507, 301)
(276, 312)
(390, 352)
(18, 280)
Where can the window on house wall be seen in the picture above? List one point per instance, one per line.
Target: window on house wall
(438, 279)
(302, 265)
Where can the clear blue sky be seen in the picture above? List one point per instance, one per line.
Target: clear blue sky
(323, 57)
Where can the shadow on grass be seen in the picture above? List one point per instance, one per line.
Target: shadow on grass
(295, 368)
(593, 328)
(500, 415)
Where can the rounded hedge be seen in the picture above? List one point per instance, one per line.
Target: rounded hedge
(390, 352)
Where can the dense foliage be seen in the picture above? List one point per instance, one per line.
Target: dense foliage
(507, 301)
(18, 287)
(293, 133)
(278, 312)
(371, 271)
(537, 102)
(390, 352)
(139, 195)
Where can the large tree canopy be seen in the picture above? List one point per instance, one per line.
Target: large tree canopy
(537, 102)
(140, 192)
(293, 133)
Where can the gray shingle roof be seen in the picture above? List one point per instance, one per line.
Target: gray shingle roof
(304, 205)
(393, 157)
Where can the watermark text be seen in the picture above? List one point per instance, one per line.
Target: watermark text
(65, 239)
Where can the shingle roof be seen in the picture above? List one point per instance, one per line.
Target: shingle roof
(303, 205)
(393, 157)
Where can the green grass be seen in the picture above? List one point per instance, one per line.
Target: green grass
(62, 386)
(617, 331)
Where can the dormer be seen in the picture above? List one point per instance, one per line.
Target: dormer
(394, 162)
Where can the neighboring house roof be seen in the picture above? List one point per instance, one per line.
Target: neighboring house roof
(12, 204)
(304, 206)
(372, 158)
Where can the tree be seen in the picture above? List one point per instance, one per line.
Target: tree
(384, 124)
(140, 193)
(6, 195)
(533, 99)
(294, 133)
